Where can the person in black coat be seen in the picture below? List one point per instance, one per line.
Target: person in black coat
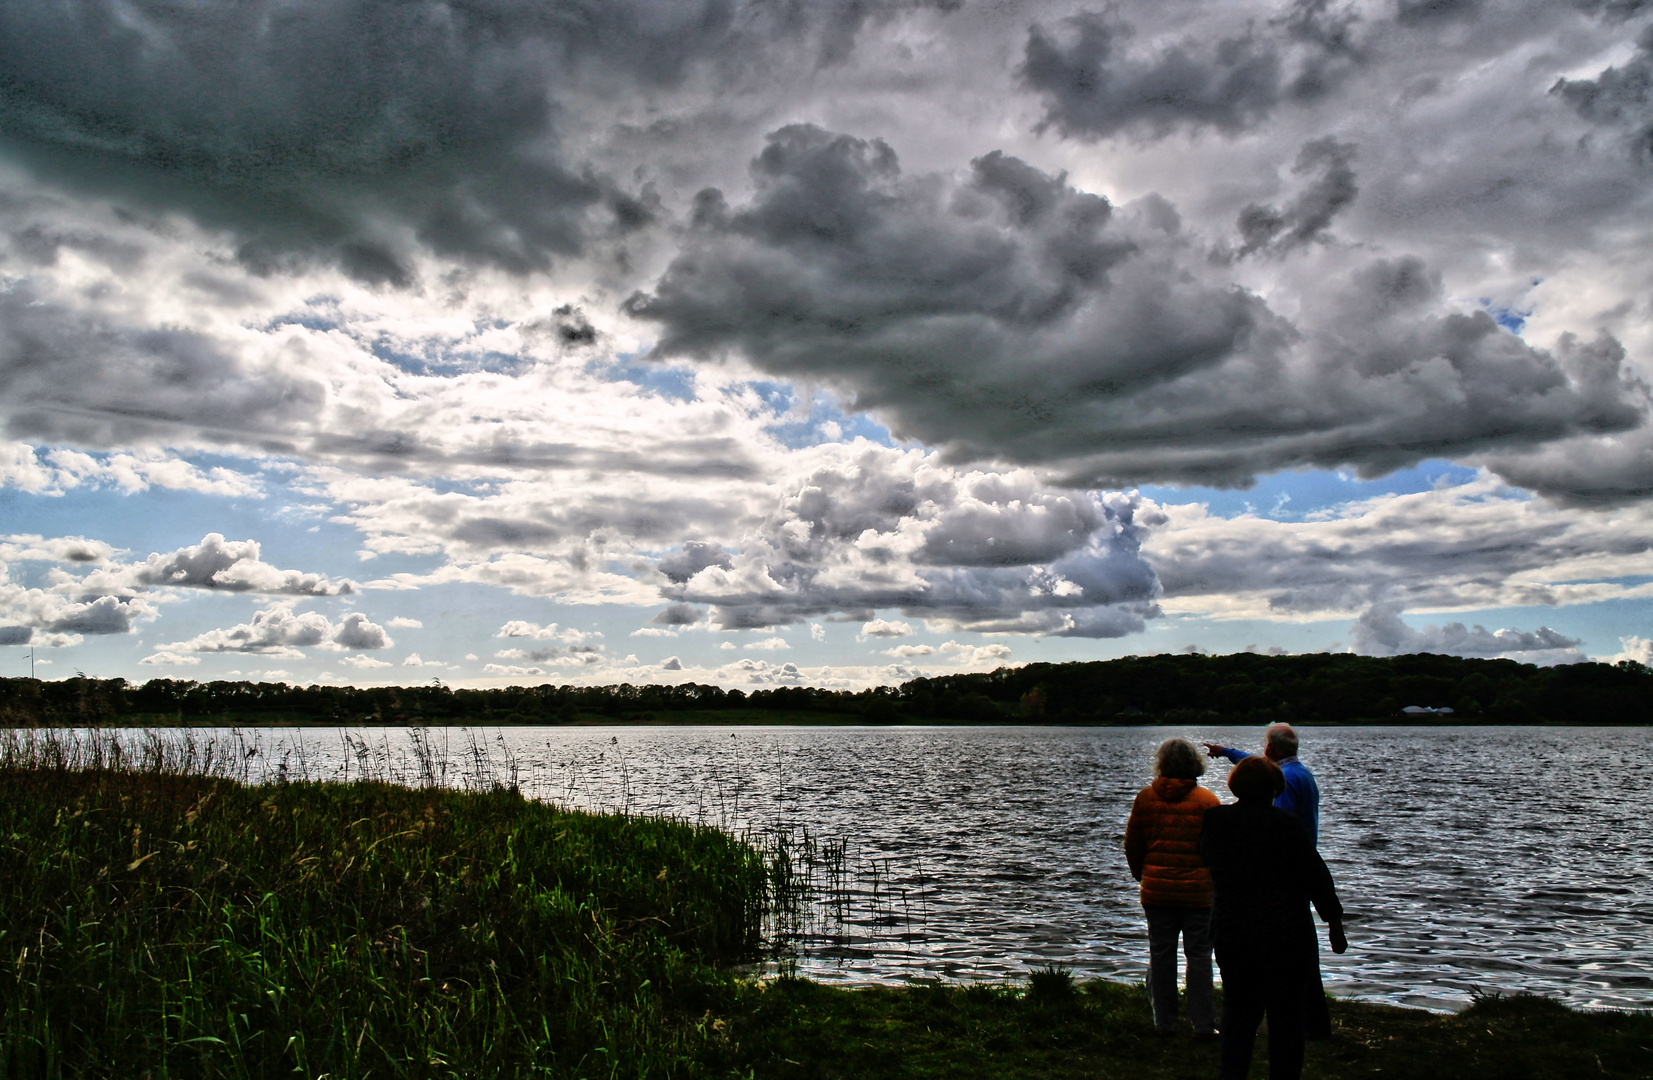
(1266, 873)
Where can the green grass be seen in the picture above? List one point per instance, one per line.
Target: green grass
(799, 1030)
(164, 925)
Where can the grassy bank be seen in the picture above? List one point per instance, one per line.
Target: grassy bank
(159, 923)
(797, 1030)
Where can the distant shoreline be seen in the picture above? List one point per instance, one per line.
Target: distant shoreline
(1179, 691)
(757, 719)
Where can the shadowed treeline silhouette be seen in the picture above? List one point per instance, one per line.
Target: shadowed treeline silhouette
(1241, 688)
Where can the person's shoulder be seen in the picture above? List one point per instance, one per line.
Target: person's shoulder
(1202, 796)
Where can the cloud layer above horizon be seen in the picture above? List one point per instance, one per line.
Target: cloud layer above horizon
(737, 321)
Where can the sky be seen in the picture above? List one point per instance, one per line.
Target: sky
(833, 344)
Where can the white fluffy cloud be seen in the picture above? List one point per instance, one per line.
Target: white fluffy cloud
(364, 663)
(91, 591)
(165, 658)
(871, 528)
(62, 613)
(63, 549)
(216, 563)
(518, 628)
(279, 631)
(1468, 546)
(1380, 632)
(1637, 649)
(52, 472)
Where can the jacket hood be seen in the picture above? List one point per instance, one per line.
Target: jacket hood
(1173, 788)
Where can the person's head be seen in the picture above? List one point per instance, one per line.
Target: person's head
(1280, 742)
(1256, 779)
(1180, 759)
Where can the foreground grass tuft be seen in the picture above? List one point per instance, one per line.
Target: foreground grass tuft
(172, 925)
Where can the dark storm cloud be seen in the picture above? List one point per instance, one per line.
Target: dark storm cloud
(1095, 88)
(332, 128)
(1097, 80)
(1620, 97)
(1306, 217)
(1599, 471)
(678, 615)
(494, 532)
(1002, 314)
(1424, 13)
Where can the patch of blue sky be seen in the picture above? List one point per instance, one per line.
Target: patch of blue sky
(1512, 319)
(445, 362)
(1628, 581)
(309, 320)
(826, 421)
(779, 396)
(1510, 315)
(669, 381)
(443, 485)
(1294, 495)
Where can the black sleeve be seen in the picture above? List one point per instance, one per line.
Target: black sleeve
(1322, 892)
(1210, 847)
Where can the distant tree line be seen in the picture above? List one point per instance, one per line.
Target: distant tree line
(1241, 688)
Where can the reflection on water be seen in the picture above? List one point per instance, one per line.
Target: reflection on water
(1469, 858)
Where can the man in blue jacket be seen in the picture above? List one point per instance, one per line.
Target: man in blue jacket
(1300, 799)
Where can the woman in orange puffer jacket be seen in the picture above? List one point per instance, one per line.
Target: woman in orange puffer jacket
(1162, 840)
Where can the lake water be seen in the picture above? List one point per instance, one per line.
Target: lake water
(1470, 859)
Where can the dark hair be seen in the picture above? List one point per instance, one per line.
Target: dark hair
(1256, 779)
